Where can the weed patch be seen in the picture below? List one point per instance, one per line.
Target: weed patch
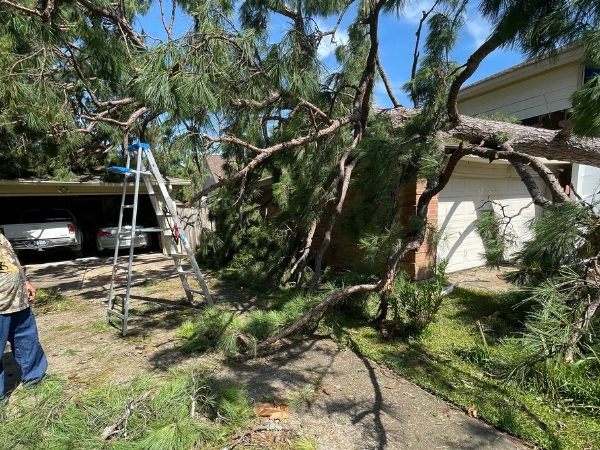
(51, 300)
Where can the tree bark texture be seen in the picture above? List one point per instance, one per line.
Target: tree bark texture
(300, 264)
(538, 142)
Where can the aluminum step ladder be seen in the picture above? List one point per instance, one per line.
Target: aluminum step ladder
(174, 237)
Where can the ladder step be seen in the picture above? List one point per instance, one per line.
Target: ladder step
(153, 229)
(186, 272)
(115, 313)
(195, 291)
(179, 255)
(127, 206)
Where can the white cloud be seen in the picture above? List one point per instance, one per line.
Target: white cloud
(327, 47)
(413, 12)
(478, 29)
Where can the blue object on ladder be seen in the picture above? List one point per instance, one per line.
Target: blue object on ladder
(118, 169)
(138, 145)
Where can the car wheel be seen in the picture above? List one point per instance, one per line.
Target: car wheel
(78, 253)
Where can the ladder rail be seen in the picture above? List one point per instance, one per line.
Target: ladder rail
(153, 168)
(115, 267)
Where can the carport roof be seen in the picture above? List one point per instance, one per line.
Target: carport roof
(85, 185)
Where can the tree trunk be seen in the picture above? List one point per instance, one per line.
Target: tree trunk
(549, 144)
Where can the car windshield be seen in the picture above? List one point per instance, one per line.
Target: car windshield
(39, 215)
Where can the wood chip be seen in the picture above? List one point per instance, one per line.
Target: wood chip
(472, 411)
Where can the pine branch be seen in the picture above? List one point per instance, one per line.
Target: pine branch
(387, 84)
(558, 193)
(32, 12)
(536, 195)
(120, 21)
(473, 62)
(298, 269)
(416, 54)
(269, 151)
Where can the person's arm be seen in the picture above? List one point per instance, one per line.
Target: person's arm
(30, 290)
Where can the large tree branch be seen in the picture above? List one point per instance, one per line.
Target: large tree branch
(365, 87)
(386, 83)
(558, 193)
(267, 152)
(329, 301)
(473, 62)
(534, 191)
(412, 243)
(538, 142)
(343, 190)
(32, 12)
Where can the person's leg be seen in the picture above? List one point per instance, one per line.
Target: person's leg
(4, 329)
(24, 340)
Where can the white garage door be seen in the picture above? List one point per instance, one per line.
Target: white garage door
(458, 210)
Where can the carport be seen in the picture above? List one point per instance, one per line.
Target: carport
(91, 200)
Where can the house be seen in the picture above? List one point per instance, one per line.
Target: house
(538, 93)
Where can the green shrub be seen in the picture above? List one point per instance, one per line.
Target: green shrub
(416, 304)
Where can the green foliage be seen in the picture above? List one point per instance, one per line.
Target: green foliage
(555, 351)
(230, 333)
(417, 304)
(496, 240)
(499, 116)
(564, 234)
(584, 114)
(158, 414)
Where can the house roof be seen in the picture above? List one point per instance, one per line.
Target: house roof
(215, 164)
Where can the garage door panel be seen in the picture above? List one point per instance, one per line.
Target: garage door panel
(458, 209)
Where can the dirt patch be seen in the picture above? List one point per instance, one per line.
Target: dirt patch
(341, 399)
(482, 279)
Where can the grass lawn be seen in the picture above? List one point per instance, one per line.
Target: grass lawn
(455, 358)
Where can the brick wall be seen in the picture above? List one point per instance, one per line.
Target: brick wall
(345, 254)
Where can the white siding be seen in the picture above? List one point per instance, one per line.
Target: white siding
(541, 94)
(586, 181)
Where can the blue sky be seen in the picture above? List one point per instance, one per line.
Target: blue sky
(397, 41)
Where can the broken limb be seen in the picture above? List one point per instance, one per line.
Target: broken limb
(536, 142)
(298, 268)
(534, 191)
(549, 179)
(581, 328)
(267, 152)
